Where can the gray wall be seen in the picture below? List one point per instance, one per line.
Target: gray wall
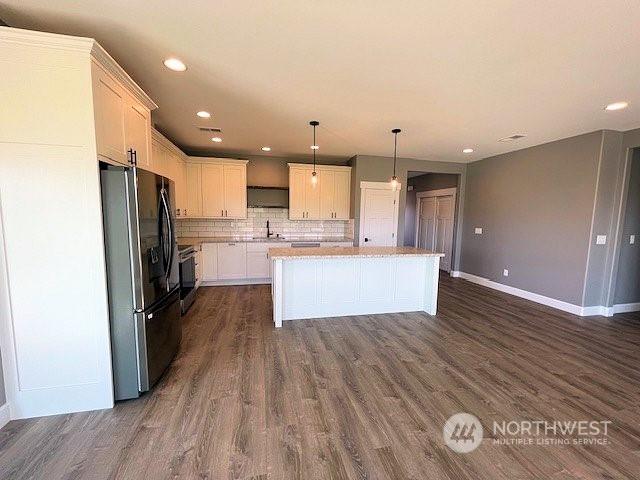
(628, 275)
(535, 207)
(607, 194)
(368, 168)
(422, 183)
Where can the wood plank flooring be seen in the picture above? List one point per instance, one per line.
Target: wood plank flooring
(357, 397)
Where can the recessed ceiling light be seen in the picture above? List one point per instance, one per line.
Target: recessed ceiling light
(467, 150)
(216, 139)
(314, 147)
(266, 149)
(616, 106)
(203, 114)
(175, 65)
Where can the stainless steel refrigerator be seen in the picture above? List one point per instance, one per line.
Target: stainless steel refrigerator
(142, 275)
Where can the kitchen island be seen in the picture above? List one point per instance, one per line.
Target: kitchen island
(341, 281)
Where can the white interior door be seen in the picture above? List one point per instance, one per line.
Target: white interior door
(444, 229)
(378, 215)
(426, 223)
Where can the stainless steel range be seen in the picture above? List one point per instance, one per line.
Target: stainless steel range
(187, 259)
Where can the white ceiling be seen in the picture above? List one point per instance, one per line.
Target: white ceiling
(450, 74)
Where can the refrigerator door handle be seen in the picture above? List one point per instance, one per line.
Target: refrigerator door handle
(171, 248)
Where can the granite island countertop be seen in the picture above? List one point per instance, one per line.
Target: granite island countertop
(337, 252)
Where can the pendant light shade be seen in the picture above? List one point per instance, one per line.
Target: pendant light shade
(314, 147)
(394, 178)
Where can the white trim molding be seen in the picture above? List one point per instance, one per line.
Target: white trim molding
(626, 307)
(5, 414)
(537, 298)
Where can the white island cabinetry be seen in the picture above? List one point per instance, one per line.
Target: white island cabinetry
(333, 282)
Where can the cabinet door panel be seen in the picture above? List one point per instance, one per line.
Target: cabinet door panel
(137, 132)
(296, 193)
(212, 191)
(209, 259)
(109, 105)
(158, 158)
(326, 184)
(232, 261)
(258, 265)
(181, 187)
(342, 195)
(193, 206)
(235, 191)
(311, 198)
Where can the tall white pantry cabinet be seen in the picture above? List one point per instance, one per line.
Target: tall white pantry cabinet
(65, 105)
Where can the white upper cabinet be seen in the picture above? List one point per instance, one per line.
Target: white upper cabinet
(193, 175)
(328, 199)
(137, 132)
(213, 190)
(216, 188)
(168, 160)
(235, 191)
(123, 123)
(109, 105)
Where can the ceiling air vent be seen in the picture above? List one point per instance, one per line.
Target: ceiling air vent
(513, 137)
(210, 129)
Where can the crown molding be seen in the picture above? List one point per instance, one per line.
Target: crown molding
(80, 45)
(108, 63)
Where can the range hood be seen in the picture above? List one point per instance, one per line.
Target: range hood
(268, 197)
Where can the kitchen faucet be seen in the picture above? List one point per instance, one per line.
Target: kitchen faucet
(269, 232)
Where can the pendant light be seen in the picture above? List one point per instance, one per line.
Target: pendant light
(314, 147)
(394, 178)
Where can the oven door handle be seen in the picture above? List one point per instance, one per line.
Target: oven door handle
(184, 258)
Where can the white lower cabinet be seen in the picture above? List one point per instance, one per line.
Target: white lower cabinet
(240, 262)
(209, 262)
(198, 261)
(258, 263)
(232, 261)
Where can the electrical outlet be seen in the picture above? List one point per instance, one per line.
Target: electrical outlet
(505, 273)
(478, 231)
(632, 239)
(601, 239)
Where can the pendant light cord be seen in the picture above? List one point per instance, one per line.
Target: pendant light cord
(314, 149)
(395, 152)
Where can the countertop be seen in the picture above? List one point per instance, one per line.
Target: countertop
(336, 252)
(241, 239)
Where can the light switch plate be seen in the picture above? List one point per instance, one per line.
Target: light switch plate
(632, 239)
(505, 273)
(601, 239)
(478, 231)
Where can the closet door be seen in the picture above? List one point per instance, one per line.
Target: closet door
(444, 229)
(427, 223)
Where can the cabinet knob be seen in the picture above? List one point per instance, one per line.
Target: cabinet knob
(366, 239)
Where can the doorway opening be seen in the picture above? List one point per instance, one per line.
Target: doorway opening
(431, 213)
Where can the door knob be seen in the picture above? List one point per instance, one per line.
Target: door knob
(366, 239)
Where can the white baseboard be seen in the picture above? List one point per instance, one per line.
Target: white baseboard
(243, 281)
(455, 273)
(626, 307)
(5, 414)
(535, 297)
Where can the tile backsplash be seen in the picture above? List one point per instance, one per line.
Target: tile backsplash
(256, 226)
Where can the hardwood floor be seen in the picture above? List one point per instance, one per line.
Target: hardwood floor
(357, 397)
